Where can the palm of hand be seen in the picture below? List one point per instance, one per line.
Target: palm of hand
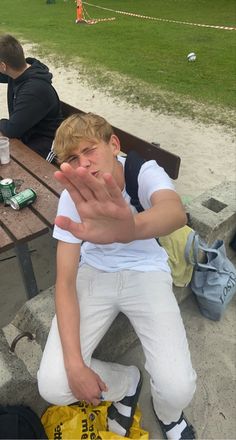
(106, 222)
(105, 216)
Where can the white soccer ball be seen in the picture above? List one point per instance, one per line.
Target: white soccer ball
(191, 56)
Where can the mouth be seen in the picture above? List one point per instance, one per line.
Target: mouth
(95, 173)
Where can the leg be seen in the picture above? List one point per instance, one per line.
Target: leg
(97, 293)
(154, 313)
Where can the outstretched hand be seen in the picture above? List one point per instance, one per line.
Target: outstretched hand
(105, 216)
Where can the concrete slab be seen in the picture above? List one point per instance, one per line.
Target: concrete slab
(213, 214)
(17, 386)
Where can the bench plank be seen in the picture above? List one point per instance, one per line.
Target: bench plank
(169, 161)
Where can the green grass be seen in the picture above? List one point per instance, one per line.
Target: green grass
(150, 55)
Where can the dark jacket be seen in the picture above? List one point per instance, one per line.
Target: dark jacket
(34, 108)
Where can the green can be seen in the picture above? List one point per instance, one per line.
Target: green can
(22, 199)
(7, 188)
(1, 197)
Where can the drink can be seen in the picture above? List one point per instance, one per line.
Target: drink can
(1, 197)
(7, 188)
(22, 199)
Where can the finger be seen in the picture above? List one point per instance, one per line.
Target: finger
(95, 402)
(112, 187)
(77, 229)
(74, 191)
(84, 181)
(78, 179)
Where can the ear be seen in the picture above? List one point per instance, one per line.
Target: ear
(3, 66)
(115, 144)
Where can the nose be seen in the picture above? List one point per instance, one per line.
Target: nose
(84, 161)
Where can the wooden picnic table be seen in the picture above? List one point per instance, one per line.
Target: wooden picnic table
(17, 228)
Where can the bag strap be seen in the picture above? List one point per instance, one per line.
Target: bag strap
(193, 242)
(133, 164)
(188, 247)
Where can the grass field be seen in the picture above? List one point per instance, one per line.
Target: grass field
(150, 53)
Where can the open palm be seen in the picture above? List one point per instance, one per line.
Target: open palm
(105, 216)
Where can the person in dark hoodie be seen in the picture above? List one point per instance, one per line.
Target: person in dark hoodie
(33, 104)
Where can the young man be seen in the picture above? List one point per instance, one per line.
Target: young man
(119, 267)
(33, 104)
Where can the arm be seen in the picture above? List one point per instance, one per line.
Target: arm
(4, 78)
(165, 216)
(85, 384)
(29, 109)
(105, 215)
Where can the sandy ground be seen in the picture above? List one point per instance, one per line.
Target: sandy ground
(208, 158)
(207, 152)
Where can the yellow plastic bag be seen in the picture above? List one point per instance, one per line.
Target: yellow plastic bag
(82, 421)
(174, 244)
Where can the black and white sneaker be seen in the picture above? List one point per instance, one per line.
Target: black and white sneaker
(180, 430)
(120, 414)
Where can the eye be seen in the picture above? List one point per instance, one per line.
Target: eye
(90, 150)
(72, 160)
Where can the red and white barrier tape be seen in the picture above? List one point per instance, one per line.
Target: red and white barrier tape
(227, 28)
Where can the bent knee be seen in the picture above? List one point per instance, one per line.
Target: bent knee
(51, 389)
(179, 391)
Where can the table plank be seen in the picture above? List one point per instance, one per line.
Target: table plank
(21, 225)
(35, 165)
(5, 241)
(45, 206)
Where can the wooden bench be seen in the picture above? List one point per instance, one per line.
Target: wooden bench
(169, 161)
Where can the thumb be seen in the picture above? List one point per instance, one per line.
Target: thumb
(69, 225)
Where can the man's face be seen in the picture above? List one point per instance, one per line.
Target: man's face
(97, 157)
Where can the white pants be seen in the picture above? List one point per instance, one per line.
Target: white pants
(146, 298)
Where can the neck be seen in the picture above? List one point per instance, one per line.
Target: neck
(14, 74)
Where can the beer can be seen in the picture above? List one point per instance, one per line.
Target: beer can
(22, 199)
(1, 197)
(8, 189)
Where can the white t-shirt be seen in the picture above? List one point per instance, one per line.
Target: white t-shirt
(141, 255)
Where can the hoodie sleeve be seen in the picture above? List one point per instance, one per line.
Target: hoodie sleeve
(31, 106)
(3, 78)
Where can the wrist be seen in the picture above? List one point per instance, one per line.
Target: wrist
(74, 364)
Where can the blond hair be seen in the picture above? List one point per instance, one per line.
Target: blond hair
(78, 127)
